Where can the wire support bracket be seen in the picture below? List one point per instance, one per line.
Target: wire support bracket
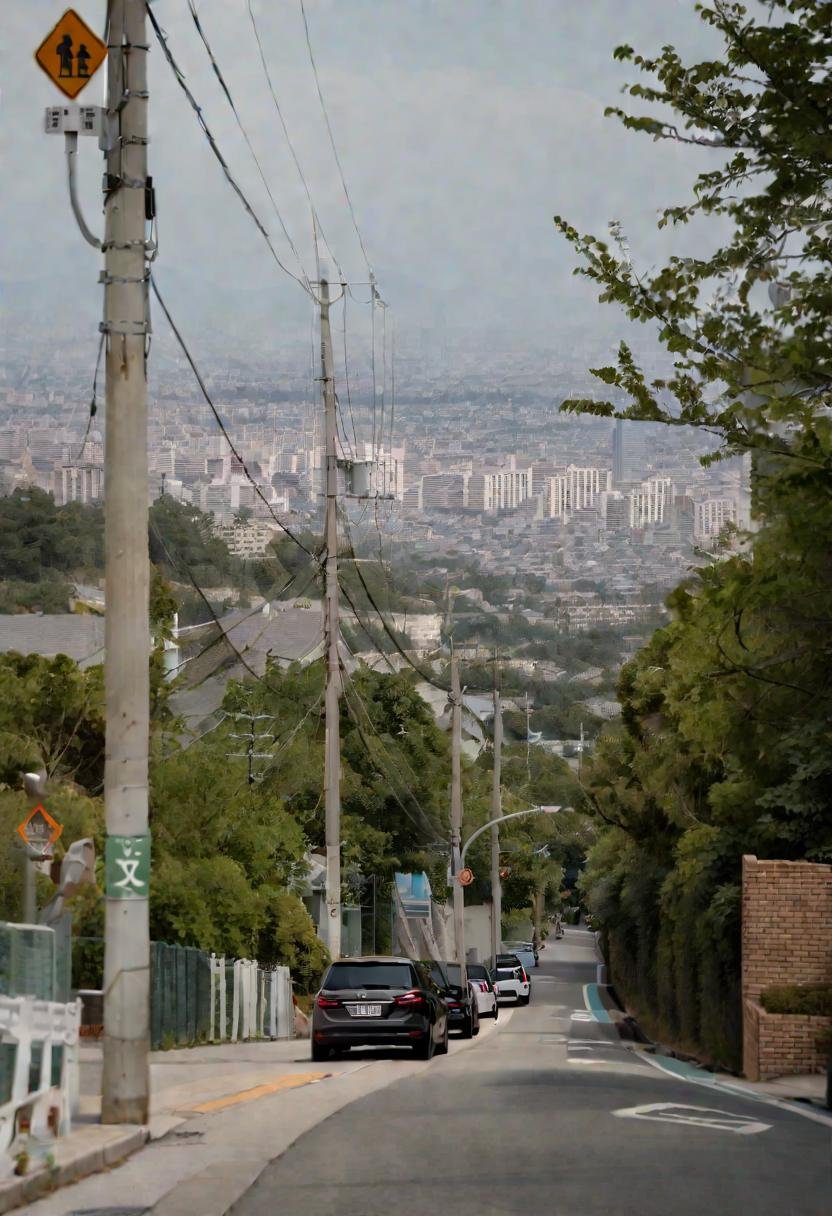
(129, 329)
(109, 279)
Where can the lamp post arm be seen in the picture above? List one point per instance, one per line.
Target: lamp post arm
(532, 810)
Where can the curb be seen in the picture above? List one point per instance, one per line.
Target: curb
(86, 1151)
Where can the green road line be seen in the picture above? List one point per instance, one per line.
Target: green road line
(594, 1003)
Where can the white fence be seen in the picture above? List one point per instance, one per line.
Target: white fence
(248, 1002)
(24, 1023)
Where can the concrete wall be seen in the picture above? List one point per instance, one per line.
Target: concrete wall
(786, 939)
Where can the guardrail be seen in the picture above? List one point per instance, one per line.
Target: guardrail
(34, 1117)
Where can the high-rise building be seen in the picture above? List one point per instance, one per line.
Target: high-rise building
(614, 510)
(711, 518)
(82, 483)
(650, 502)
(576, 489)
(631, 448)
(499, 489)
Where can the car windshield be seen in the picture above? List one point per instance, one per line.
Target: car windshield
(369, 975)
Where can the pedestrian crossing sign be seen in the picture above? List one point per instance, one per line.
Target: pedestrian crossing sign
(71, 54)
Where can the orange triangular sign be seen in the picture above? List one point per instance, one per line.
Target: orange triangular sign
(71, 54)
(39, 828)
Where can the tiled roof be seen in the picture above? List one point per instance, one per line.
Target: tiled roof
(80, 636)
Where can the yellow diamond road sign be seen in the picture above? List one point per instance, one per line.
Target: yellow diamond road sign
(71, 54)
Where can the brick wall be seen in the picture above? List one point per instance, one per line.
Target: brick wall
(786, 939)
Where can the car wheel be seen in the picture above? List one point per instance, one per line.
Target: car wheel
(425, 1049)
(496, 1011)
(468, 1027)
(523, 1000)
(442, 1049)
(319, 1054)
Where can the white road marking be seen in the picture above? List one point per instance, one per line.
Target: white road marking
(695, 1116)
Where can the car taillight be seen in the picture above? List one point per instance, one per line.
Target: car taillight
(523, 973)
(410, 1000)
(327, 1002)
(453, 1004)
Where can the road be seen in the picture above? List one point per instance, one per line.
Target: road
(540, 1119)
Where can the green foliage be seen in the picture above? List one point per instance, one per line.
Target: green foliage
(812, 1000)
(725, 741)
(51, 715)
(37, 538)
(183, 546)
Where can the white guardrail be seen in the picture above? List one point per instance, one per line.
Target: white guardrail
(24, 1022)
(261, 1001)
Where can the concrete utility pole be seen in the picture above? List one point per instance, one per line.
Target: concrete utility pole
(496, 812)
(456, 816)
(332, 751)
(125, 1080)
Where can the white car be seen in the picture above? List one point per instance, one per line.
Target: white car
(512, 981)
(479, 977)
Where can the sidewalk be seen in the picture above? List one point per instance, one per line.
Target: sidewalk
(219, 1115)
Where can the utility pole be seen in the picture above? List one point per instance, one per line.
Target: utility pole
(528, 741)
(332, 751)
(496, 812)
(125, 1079)
(456, 817)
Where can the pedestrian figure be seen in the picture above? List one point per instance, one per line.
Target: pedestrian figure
(64, 52)
(82, 57)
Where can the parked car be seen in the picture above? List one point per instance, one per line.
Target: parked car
(524, 951)
(481, 981)
(379, 1001)
(463, 1008)
(512, 980)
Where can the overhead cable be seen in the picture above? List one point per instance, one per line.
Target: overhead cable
(316, 557)
(332, 137)
(197, 109)
(244, 133)
(316, 220)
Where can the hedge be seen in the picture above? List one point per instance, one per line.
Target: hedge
(812, 1000)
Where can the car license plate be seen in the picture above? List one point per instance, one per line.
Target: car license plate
(364, 1011)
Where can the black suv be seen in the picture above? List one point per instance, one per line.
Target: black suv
(379, 1002)
(463, 1010)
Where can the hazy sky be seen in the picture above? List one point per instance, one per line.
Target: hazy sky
(463, 125)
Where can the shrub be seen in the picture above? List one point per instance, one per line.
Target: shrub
(812, 1000)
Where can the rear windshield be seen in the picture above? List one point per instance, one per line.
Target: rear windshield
(454, 973)
(476, 972)
(369, 975)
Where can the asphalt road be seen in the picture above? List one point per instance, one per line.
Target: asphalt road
(531, 1122)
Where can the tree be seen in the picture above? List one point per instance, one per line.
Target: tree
(724, 746)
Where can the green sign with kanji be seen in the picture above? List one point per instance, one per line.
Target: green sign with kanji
(127, 867)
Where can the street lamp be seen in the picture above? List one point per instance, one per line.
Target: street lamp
(532, 810)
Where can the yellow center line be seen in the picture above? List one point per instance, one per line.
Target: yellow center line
(290, 1081)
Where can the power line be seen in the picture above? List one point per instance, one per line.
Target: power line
(197, 109)
(318, 226)
(348, 682)
(332, 137)
(314, 556)
(244, 132)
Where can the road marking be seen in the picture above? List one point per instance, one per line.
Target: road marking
(553, 1040)
(686, 1072)
(594, 1004)
(290, 1081)
(695, 1116)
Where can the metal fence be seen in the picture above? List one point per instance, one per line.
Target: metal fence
(180, 995)
(199, 997)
